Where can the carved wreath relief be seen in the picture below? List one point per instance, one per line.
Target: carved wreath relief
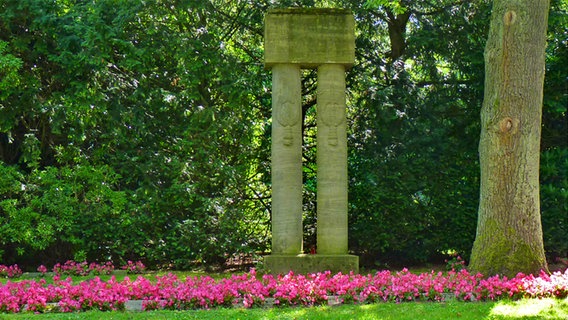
(288, 115)
(332, 114)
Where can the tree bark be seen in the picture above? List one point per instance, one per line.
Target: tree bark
(397, 33)
(509, 230)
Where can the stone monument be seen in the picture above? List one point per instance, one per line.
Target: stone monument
(322, 39)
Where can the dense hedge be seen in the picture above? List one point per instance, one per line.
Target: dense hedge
(137, 131)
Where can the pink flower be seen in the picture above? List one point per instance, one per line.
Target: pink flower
(170, 292)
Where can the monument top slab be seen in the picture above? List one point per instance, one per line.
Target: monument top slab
(313, 11)
(309, 37)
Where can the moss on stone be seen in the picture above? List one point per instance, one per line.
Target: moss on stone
(309, 37)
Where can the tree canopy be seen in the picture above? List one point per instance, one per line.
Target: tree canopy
(141, 130)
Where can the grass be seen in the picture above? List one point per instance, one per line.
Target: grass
(531, 309)
(502, 310)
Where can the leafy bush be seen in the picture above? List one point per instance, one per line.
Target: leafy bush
(74, 209)
(554, 201)
(143, 133)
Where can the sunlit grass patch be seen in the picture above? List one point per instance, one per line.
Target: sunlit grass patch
(546, 308)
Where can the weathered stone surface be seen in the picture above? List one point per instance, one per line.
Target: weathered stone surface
(286, 160)
(309, 37)
(331, 160)
(311, 263)
(134, 305)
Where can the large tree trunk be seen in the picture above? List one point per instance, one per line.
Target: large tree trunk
(509, 230)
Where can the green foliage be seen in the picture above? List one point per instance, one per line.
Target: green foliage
(554, 144)
(132, 125)
(40, 210)
(397, 7)
(136, 130)
(10, 65)
(413, 154)
(554, 201)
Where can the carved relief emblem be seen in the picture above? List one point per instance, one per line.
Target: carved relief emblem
(288, 115)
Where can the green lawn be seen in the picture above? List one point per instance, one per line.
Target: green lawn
(524, 309)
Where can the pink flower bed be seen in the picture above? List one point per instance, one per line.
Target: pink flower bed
(83, 268)
(10, 271)
(80, 268)
(249, 290)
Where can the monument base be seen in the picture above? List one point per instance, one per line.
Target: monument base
(311, 263)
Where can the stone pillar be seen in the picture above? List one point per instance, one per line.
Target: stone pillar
(287, 231)
(331, 160)
(309, 38)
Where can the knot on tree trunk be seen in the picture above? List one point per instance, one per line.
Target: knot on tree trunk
(509, 17)
(508, 125)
